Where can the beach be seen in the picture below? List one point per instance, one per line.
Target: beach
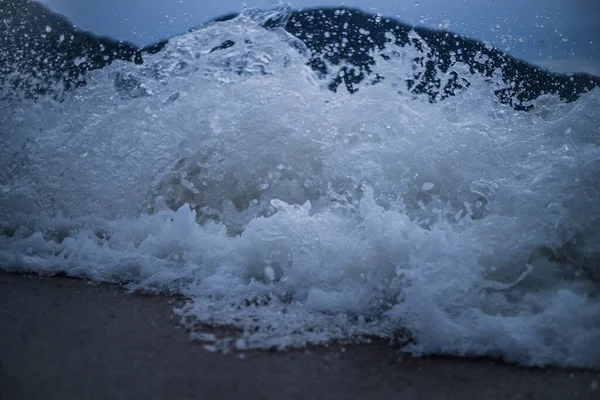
(66, 338)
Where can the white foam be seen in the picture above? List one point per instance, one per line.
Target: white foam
(302, 216)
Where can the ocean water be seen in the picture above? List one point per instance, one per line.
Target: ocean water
(293, 215)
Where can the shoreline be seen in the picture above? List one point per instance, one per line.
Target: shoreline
(70, 338)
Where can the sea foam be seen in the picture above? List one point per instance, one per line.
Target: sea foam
(297, 215)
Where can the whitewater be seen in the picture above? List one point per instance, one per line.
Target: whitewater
(294, 215)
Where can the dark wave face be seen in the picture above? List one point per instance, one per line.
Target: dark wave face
(310, 176)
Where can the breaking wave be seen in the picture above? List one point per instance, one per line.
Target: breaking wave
(299, 215)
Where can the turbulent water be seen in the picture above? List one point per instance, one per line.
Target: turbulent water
(298, 215)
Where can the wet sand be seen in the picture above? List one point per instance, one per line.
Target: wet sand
(69, 339)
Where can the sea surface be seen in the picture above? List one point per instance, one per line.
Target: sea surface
(295, 215)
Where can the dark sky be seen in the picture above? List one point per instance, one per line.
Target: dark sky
(563, 34)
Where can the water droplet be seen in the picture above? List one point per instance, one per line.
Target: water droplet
(428, 186)
(270, 273)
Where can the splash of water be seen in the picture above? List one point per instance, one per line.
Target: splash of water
(298, 215)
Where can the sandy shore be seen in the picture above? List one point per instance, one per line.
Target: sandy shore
(69, 339)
